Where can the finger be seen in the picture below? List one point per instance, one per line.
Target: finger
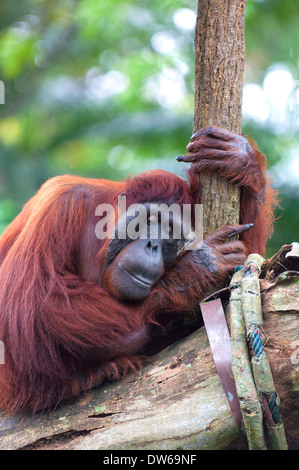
(241, 229)
(231, 247)
(184, 158)
(209, 154)
(228, 231)
(205, 142)
(213, 131)
(235, 259)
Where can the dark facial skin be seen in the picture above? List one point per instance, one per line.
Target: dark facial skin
(135, 270)
(134, 266)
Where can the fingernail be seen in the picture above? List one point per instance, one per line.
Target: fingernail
(247, 227)
(180, 158)
(193, 136)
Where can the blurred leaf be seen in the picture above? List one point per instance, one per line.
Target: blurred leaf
(10, 130)
(16, 51)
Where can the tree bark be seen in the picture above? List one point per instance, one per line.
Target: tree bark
(219, 67)
(177, 402)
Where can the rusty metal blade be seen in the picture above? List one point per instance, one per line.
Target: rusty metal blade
(219, 338)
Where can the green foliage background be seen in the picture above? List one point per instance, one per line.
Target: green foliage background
(84, 85)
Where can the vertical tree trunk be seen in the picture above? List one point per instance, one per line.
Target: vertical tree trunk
(219, 67)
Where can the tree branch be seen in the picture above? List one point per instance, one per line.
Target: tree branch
(219, 67)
